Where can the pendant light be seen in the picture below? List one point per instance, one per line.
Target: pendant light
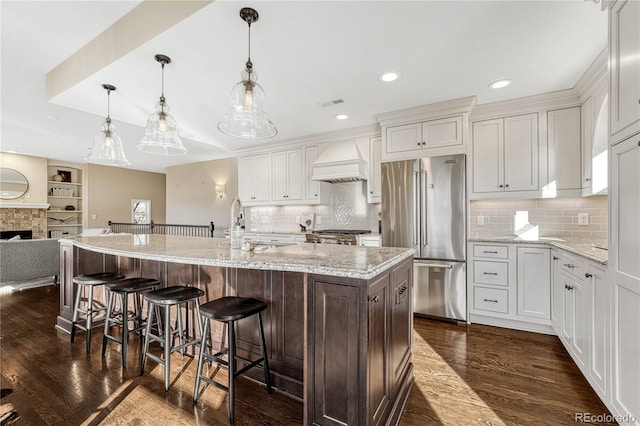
(107, 147)
(161, 135)
(247, 116)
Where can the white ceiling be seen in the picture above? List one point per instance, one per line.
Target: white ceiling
(305, 52)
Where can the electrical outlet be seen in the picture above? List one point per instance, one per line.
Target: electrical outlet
(583, 218)
(318, 220)
(94, 216)
(480, 220)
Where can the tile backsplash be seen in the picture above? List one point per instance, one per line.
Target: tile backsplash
(554, 217)
(347, 209)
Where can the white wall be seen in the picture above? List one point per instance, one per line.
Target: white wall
(191, 196)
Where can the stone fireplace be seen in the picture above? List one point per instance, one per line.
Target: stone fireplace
(18, 219)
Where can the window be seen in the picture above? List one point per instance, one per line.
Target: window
(141, 211)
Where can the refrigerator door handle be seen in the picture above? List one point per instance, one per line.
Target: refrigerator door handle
(416, 216)
(433, 265)
(423, 184)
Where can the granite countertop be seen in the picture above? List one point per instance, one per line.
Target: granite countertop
(581, 246)
(325, 259)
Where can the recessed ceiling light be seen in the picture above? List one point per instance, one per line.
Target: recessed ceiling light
(388, 76)
(341, 116)
(52, 117)
(499, 84)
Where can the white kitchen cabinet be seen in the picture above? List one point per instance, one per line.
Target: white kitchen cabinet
(624, 63)
(374, 183)
(509, 285)
(288, 177)
(420, 137)
(564, 150)
(624, 275)
(254, 179)
(557, 292)
(594, 116)
(505, 155)
(599, 329)
(574, 319)
(368, 240)
(315, 192)
(534, 289)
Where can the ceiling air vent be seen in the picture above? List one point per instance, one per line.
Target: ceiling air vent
(331, 103)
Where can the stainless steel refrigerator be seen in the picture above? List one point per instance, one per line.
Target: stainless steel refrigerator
(423, 207)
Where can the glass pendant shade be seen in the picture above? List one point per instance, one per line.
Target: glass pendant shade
(247, 115)
(161, 134)
(107, 148)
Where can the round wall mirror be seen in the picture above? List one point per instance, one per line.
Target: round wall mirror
(13, 184)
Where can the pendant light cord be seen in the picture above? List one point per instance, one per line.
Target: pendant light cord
(108, 105)
(162, 95)
(249, 63)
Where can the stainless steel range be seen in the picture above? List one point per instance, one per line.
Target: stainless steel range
(336, 236)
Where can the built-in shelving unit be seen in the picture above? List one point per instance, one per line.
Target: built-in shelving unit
(65, 196)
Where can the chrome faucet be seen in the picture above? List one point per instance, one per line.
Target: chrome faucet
(235, 201)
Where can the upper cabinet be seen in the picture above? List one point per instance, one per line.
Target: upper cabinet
(427, 131)
(288, 177)
(418, 138)
(254, 179)
(280, 178)
(505, 155)
(374, 183)
(564, 159)
(624, 61)
(315, 192)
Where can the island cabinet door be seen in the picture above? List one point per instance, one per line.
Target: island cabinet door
(337, 331)
(257, 284)
(379, 330)
(401, 323)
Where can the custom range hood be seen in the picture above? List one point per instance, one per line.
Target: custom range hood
(340, 162)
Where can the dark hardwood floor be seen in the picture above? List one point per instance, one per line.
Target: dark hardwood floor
(464, 376)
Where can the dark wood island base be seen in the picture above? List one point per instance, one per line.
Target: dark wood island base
(343, 345)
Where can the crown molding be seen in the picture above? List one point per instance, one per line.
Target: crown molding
(318, 139)
(546, 101)
(596, 75)
(428, 112)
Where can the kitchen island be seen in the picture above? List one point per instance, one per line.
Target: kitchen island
(338, 324)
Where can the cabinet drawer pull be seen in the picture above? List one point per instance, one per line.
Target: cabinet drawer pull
(491, 300)
(506, 186)
(375, 299)
(568, 287)
(570, 266)
(500, 186)
(490, 252)
(491, 273)
(588, 275)
(555, 258)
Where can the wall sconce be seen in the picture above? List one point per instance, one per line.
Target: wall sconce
(220, 190)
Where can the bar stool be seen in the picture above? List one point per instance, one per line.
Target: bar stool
(89, 281)
(229, 310)
(168, 297)
(124, 288)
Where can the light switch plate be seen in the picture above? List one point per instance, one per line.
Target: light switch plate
(583, 218)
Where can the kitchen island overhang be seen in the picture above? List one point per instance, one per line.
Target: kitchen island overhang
(339, 319)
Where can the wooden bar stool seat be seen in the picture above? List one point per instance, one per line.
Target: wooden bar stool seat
(89, 281)
(229, 310)
(124, 288)
(167, 297)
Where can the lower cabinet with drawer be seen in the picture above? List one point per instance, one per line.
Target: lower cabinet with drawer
(510, 286)
(580, 315)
